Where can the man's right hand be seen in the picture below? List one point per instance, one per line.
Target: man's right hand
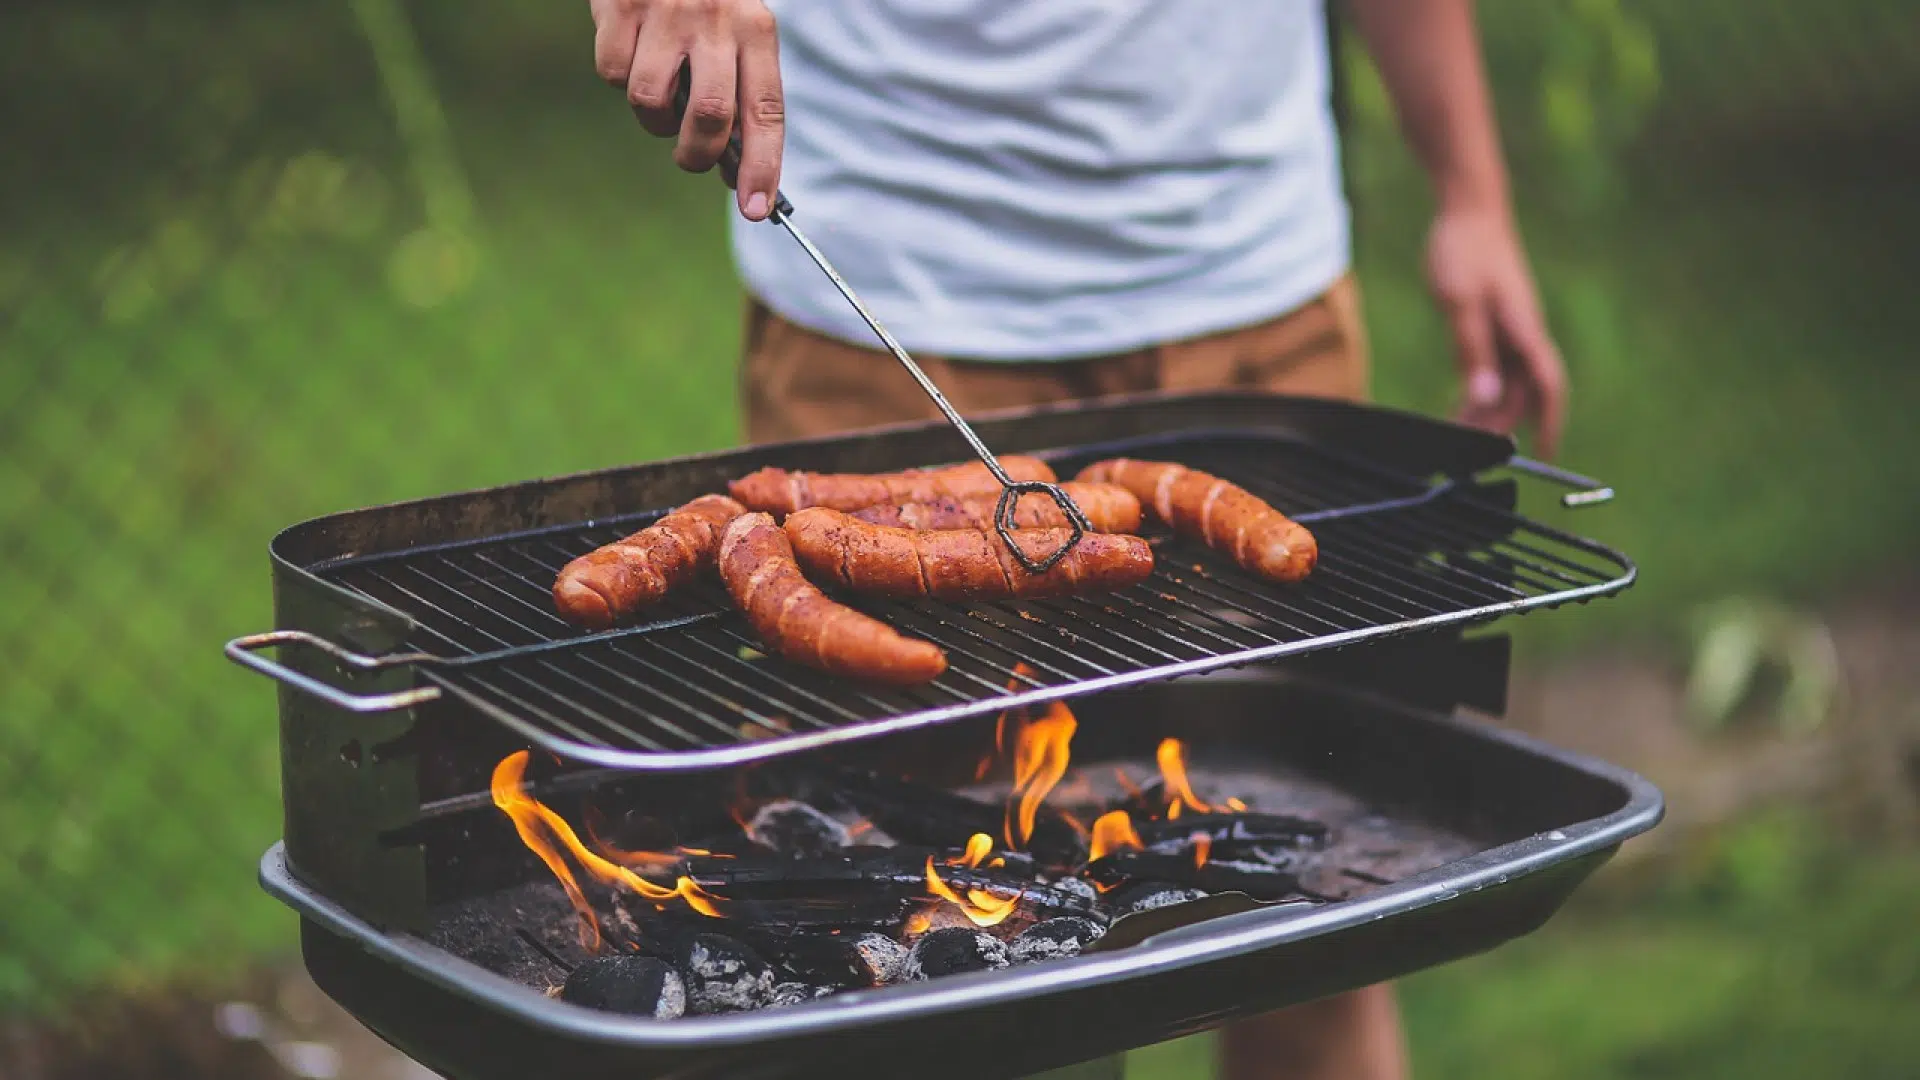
(734, 54)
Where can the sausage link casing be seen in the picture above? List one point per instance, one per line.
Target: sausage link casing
(960, 564)
(803, 624)
(1109, 509)
(1226, 517)
(603, 586)
(779, 491)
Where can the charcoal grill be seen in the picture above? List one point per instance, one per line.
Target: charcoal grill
(428, 650)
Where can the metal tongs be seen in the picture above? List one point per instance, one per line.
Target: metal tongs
(1010, 489)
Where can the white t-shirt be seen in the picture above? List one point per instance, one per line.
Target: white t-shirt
(1051, 179)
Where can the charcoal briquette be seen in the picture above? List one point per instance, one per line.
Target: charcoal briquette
(952, 951)
(882, 958)
(1074, 886)
(635, 985)
(724, 975)
(796, 829)
(793, 993)
(1148, 895)
(1054, 939)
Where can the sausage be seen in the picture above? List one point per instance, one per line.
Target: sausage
(778, 491)
(1109, 509)
(1229, 518)
(959, 564)
(601, 587)
(802, 624)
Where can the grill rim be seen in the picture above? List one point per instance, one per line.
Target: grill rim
(1211, 940)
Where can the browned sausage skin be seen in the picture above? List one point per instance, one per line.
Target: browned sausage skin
(778, 491)
(802, 624)
(959, 564)
(1109, 508)
(1228, 518)
(603, 586)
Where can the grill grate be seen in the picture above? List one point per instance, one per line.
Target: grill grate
(687, 689)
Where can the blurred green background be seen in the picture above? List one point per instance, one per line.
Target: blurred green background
(264, 262)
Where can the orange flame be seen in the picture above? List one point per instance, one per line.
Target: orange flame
(981, 907)
(535, 822)
(1236, 805)
(1040, 755)
(1172, 757)
(1202, 845)
(1112, 831)
(918, 923)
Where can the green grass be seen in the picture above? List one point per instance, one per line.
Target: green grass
(201, 341)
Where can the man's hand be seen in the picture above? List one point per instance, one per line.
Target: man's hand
(1509, 366)
(734, 55)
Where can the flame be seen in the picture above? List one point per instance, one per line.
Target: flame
(535, 822)
(1202, 844)
(979, 846)
(1172, 757)
(1073, 822)
(918, 923)
(1020, 672)
(981, 907)
(1126, 782)
(1040, 755)
(1236, 805)
(1112, 831)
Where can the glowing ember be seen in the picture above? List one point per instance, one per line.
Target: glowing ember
(1040, 755)
(538, 826)
(919, 923)
(1172, 757)
(1112, 831)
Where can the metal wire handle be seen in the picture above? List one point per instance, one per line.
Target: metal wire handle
(1010, 489)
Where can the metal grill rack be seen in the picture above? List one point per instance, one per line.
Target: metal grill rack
(687, 688)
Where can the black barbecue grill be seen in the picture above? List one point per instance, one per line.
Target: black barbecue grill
(425, 620)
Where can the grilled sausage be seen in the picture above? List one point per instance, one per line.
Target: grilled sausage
(959, 564)
(1109, 509)
(601, 587)
(778, 491)
(802, 624)
(1230, 519)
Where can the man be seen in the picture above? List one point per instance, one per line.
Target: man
(1050, 199)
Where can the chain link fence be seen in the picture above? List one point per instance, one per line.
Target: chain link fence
(264, 262)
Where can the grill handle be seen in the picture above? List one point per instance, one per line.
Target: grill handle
(1588, 491)
(245, 652)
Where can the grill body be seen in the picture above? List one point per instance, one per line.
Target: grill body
(1542, 820)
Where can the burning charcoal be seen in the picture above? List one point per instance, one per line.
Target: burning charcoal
(1260, 880)
(793, 993)
(953, 951)
(883, 958)
(1074, 886)
(1054, 939)
(918, 814)
(867, 878)
(1148, 895)
(1232, 835)
(723, 975)
(635, 985)
(795, 829)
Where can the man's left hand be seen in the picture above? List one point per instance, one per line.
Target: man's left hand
(1510, 368)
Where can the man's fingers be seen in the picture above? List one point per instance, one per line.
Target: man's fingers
(614, 34)
(1473, 344)
(657, 56)
(708, 123)
(763, 113)
(1540, 365)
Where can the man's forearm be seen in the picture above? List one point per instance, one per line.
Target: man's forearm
(1428, 53)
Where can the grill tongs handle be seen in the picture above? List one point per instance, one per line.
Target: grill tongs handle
(1010, 489)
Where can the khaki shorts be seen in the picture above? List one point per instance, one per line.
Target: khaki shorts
(797, 383)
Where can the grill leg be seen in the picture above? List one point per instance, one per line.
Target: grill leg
(1107, 1068)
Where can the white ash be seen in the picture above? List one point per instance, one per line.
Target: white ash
(725, 976)
(792, 827)
(1074, 886)
(1054, 939)
(793, 993)
(1159, 898)
(952, 951)
(883, 957)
